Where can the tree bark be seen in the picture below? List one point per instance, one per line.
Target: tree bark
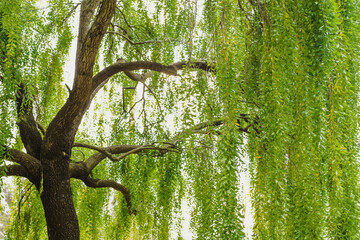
(56, 195)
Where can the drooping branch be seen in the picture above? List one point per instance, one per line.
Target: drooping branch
(98, 183)
(28, 127)
(79, 171)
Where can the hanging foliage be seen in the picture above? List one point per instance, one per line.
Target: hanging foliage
(172, 105)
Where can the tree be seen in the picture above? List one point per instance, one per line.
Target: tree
(272, 82)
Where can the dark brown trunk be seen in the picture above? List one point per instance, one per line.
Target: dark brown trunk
(56, 197)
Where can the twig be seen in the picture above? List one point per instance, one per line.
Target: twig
(21, 199)
(142, 42)
(41, 128)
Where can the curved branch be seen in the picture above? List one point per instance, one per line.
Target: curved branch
(131, 66)
(99, 149)
(80, 171)
(96, 158)
(98, 183)
(127, 150)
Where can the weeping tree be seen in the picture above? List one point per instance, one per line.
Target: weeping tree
(171, 104)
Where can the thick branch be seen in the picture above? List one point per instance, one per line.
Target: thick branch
(15, 170)
(29, 163)
(79, 171)
(29, 132)
(87, 11)
(65, 124)
(92, 40)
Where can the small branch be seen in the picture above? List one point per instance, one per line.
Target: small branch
(137, 150)
(127, 23)
(132, 107)
(99, 149)
(196, 129)
(41, 128)
(68, 88)
(242, 9)
(70, 13)
(195, 65)
(142, 78)
(141, 42)
(26, 196)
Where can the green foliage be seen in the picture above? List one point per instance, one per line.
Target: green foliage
(303, 75)
(289, 68)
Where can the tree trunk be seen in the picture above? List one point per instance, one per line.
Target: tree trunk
(60, 214)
